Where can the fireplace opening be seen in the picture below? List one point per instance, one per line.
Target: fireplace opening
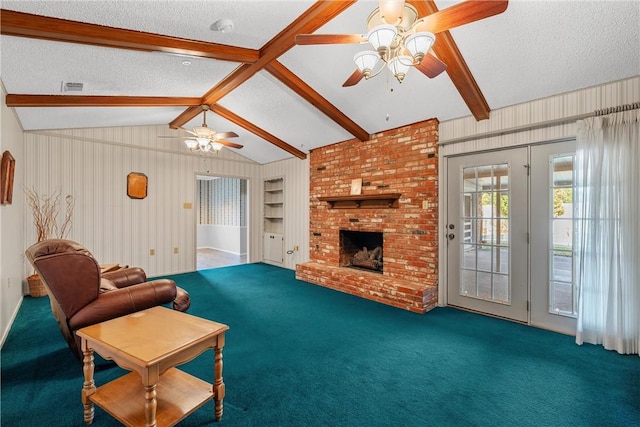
(361, 249)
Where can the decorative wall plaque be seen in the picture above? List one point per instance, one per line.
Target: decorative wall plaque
(7, 170)
(137, 185)
(356, 186)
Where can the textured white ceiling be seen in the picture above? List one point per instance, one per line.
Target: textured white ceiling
(533, 50)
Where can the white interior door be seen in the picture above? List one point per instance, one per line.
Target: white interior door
(487, 249)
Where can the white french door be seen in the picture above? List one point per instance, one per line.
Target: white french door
(487, 251)
(553, 291)
(509, 234)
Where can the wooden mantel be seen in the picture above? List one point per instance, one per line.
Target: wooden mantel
(389, 200)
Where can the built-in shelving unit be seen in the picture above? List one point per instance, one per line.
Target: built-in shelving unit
(389, 200)
(274, 220)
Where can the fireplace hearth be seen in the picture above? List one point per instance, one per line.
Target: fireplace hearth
(361, 249)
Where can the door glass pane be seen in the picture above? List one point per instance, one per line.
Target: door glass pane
(484, 258)
(562, 299)
(484, 285)
(468, 285)
(561, 266)
(501, 260)
(469, 257)
(501, 287)
(485, 224)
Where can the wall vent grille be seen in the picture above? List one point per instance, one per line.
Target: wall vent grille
(72, 87)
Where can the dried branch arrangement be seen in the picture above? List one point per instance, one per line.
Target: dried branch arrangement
(45, 210)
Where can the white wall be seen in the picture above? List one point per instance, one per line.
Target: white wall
(12, 223)
(222, 237)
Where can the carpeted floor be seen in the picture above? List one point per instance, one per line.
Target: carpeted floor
(302, 355)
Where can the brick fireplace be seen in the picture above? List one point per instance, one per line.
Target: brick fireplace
(398, 203)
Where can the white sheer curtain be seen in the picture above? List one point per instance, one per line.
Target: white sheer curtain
(607, 201)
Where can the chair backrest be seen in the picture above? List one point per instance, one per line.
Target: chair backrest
(68, 270)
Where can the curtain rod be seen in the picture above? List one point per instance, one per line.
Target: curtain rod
(601, 112)
(618, 109)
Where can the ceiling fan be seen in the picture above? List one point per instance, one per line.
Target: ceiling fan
(402, 40)
(205, 139)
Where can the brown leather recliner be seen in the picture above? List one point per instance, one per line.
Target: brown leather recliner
(80, 296)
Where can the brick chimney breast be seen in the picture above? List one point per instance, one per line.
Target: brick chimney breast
(402, 161)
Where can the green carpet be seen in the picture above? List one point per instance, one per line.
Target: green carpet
(302, 355)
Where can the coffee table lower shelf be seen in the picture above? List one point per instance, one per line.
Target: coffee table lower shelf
(178, 394)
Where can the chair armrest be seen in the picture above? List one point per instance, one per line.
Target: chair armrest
(124, 301)
(126, 276)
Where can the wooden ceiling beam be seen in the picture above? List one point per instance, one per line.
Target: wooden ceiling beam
(41, 27)
(447, 50)
(315, 17)
(99, 101)
(234, 118)
(305, 91)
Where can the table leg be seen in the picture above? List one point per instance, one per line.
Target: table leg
(218, 384)
(150, 405)
(89, 386)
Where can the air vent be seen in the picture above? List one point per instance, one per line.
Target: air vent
(72, 87)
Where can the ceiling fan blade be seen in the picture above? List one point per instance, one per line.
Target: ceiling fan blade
(229, 144)
(354, 78)
(306, 39)
(431, 66)
(226, 135)
(461, 14)
(391, 11)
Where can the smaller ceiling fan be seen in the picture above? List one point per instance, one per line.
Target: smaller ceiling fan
(207, 140)
(402, 39)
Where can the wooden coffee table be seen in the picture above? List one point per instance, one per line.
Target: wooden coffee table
(151, 343)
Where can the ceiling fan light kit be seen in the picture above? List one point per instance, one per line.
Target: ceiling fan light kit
(402, 40)
(207, 140)
(392, 42)
(203, 145)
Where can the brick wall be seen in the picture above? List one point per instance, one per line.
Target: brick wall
(405, 161)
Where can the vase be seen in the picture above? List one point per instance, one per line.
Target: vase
(36, 288)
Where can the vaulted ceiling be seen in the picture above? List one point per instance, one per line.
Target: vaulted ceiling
(156, 63)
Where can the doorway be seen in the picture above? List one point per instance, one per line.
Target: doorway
(221, 221)
(510, 234)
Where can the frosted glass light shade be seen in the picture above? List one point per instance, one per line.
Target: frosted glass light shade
(381, 36)
(399, 66)
(418, 44)
(191, 144)
(202, 142)
(216, 146)
(366, 60)
(391, 10)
